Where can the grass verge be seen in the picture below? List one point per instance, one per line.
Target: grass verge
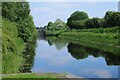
(35, 75)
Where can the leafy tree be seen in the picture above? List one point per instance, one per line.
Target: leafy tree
(112, 19)
(57, 25)
(19, 13)
(76, 19)
(8, 11)
(93, 23)
(49, 26)
(27, 30)
(14, 11)
(102, 22)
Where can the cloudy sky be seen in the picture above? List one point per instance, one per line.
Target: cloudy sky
(43, 12)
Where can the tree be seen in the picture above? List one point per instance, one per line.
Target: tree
(57, 25)
(14, 11)
(93, 23)
(112, 19)
(76, 19)
(19, 13)
(49, 26)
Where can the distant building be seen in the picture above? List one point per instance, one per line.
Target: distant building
(119, 6)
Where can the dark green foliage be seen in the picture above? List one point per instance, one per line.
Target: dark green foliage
(77, 15)
(26, 29)
(15, 11)
(92, 23)
(80, 20)
(75, 21)
(19, 12)
(49, 25)
(112, 19)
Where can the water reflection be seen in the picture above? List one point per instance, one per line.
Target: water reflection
(58, 42)
(28, 57)
(81, 52)
(58, 55)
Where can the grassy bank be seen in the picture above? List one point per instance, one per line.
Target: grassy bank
(102, 38)
(18, 37)
(35, 75)
(12, 47)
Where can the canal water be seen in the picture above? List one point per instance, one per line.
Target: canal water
(60, 56)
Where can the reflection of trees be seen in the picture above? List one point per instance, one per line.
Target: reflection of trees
(80, 52)
(41, 37)
(28, 57)
(77, 51)
(58, 42)
(50, 42)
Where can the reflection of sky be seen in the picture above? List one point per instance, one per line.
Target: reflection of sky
(49, 59)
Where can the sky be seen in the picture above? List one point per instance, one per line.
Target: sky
(44, 12)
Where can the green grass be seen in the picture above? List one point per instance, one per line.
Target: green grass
(102, 30)
(35, 75)
(12, 47)
(0, 50)
(108, 39)
(54, 33)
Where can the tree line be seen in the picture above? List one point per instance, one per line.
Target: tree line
(81, 20)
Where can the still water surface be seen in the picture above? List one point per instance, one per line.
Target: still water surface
(60, 56)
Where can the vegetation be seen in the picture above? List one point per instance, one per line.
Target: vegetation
(93, 23)
(80, 20)
(53, 33)
(76, 20)
(19, 12)
(36, 75)
(19, 37)
(57, 25)
(18, 30)
(96, 38)
(112, 19)
(97, 31)
(12, 47)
